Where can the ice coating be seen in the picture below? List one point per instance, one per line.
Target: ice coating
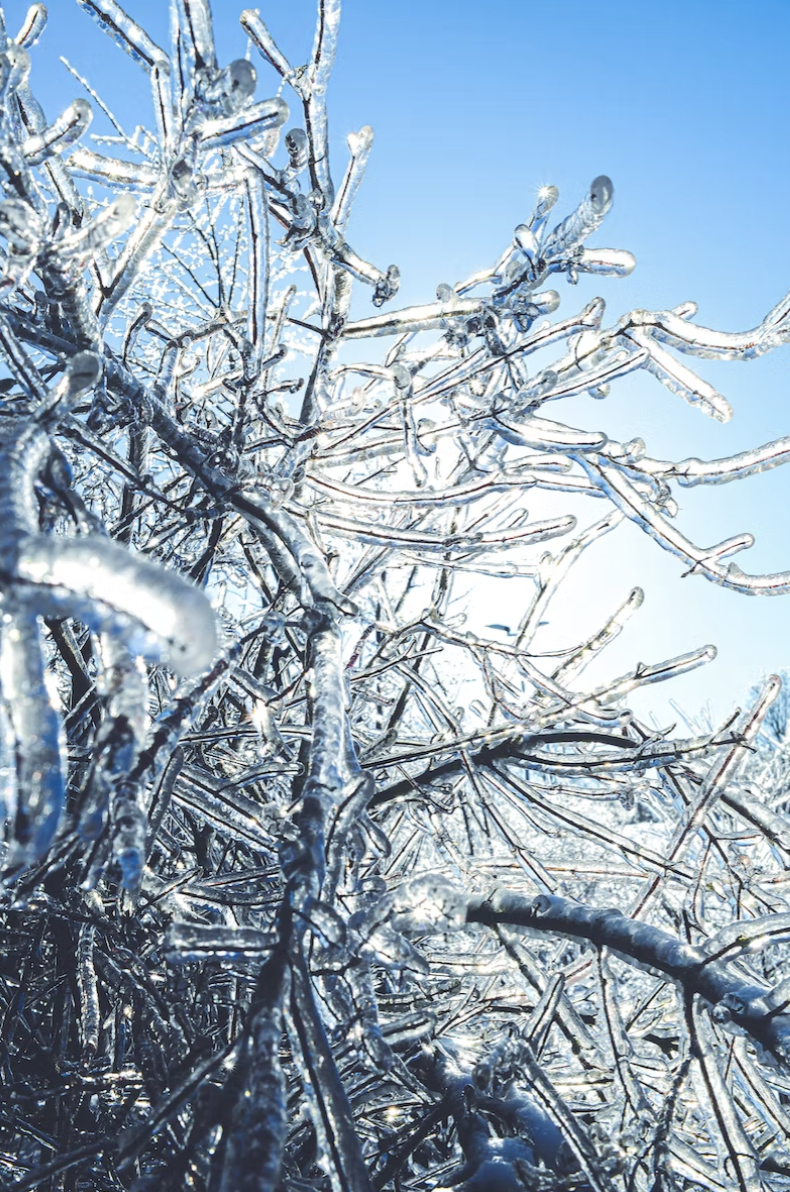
(130, 589)
(62, 133)
(585, 220)
(126, 33)
(389, 891)
(427, 904)
(40, 783)
(34, 24)
(186, 943)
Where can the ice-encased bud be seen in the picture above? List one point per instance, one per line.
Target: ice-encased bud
(731, 1004)
(387, 286)
(326, 923)
(243, 80)
(546, 302)
(360, 142)
(226, 91)
(601, 193)
(296, 148)
(182, 173)
(547, 197)
(83, 372)
(426, 904)
(58, 475)
(401, 376)
(302, 210)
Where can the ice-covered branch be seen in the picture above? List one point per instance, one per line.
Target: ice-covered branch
(243, 913)
(730, 996)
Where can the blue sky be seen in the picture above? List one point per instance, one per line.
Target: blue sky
(474, 107)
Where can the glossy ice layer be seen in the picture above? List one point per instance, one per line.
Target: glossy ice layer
(311, 879)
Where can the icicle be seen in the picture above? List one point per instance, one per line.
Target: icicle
(568, 377)
(129, 832)
(414, 318)
(671, 328)
(315, 576)
(742, 938)
(722, 773)
(14, 71)
(411, 443)
(109, 225)
(681, 380)
(581, 658)
(39, 766)
(90, 1019)
(656, 673)
(324, 47)
(544, 435)
(539, 531)
(690, 472)
(145, 238)
(627, 498)
(24, 455)
(359, 980)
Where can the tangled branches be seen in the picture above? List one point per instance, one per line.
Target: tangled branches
(305, 884)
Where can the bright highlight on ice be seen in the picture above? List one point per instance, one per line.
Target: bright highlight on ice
(305, 884)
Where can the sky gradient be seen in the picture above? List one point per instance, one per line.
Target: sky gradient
(474, 107)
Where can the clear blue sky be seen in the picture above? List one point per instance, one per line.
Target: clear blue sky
(474, 106)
